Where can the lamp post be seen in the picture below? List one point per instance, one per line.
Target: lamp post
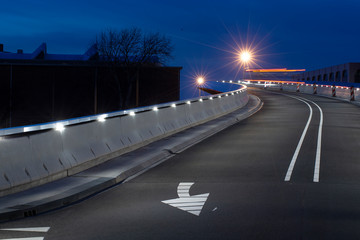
(200, 81)
(245, 57)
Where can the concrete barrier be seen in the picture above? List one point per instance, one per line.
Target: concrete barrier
(34, 155)
(321, 90)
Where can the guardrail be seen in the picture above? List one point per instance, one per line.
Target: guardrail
(37, 154)
(348, 93)
(60, 125)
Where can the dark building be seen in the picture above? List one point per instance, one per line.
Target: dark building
(41, 87)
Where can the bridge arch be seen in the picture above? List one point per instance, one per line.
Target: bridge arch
(325, 77)
(357, 76)
(345, 76)
(337, 76)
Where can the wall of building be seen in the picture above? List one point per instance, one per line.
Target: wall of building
(344, 73)
(33, 93)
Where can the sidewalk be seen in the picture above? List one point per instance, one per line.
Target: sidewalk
(69, 190)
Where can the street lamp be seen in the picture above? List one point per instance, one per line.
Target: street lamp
(200, 81)
(245, 57)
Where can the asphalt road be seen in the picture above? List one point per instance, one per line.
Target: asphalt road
(243, 169)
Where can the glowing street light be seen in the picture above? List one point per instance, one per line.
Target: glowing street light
(200, 81)
(245, 57)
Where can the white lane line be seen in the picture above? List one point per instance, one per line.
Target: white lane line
(318, 150)
(29, 238)
(318, 147)
(35, 229)
(296, 153)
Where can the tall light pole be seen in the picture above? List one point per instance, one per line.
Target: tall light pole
(245, 57)
(200, 81)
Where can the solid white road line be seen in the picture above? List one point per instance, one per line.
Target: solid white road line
(318, 147)
(35, 229)
(296, 153)
(29, 238)
(318, 150)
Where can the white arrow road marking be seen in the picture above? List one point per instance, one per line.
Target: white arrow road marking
(36, 229)
(185, 202)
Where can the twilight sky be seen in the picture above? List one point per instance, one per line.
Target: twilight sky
(295, 34)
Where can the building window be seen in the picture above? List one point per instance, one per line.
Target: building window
(325, 79)
(357, 76)
(308, 79)
(313, 79)
(345, 76)
(337, 76)
(331, 78)
(319, 78)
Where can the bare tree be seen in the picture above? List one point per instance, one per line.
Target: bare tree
(132, 49)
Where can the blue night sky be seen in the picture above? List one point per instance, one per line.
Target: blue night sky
(295, 34)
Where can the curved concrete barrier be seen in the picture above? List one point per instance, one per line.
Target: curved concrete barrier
(34, 155)
(342, 92)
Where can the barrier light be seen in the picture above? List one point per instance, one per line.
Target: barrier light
(219, 96)
(155, 109)
(101, 118)
(173, 105)
(200, 100)
(211, 98)
(132, 113)
(59, 127)
(223, 81)
(188, 102)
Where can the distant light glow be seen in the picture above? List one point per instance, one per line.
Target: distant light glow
(155, 109)
(200, 100)
(132, 113)
(173, 105)
(274, 70)
(188, 102)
